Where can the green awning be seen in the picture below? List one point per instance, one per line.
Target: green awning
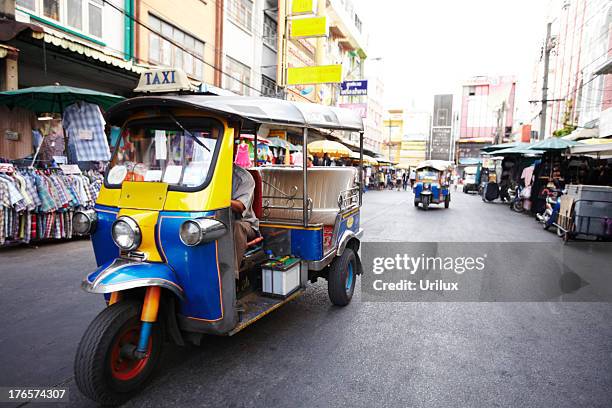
(55, 98)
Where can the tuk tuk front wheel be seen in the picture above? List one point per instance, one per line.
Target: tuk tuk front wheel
(425, 202)
(342, 277)
(105, 369)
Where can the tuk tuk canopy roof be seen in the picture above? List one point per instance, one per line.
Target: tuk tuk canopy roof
(440, 165)
(251, 110)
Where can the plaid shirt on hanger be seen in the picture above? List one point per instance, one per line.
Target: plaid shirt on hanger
(84, 124)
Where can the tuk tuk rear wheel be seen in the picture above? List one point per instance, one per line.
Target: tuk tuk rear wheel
(342, 277)
(447, 201)
(102, 370)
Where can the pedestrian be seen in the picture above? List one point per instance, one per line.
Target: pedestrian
(412, 177)
(405, 178)
(326, 160)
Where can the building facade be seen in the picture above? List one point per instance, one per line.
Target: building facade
(182, 35)
(580, 69)
(415, 137)
(441, 142)
(87, 44)
(487, 114)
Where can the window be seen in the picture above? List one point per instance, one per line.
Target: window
(187, 54)
(84, 16)
(75, 14)
(95, 18)
(51, 9)
(268, 86)
(472, 91)
(238, 76)
(358, 23)
(29, 4)
(270, 31)
(241, 13)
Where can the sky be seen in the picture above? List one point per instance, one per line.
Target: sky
(430, 47)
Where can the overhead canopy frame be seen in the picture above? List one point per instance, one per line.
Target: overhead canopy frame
(251, 111)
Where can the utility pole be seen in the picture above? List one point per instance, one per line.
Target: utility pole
(548, 46)
(499, 137)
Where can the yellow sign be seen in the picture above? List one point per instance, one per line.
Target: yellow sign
(309, 27)
(323, 74)
(302, 7)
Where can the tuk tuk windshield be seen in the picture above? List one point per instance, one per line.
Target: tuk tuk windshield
(427, 175)
(178, 154)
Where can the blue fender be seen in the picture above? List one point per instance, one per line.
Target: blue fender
(122, 274)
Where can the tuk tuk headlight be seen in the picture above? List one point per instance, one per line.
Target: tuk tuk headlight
(426, 186)
(84, 222)
(199, 230)
(126, 233)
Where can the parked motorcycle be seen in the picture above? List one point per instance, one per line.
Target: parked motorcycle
(516, 203)
(548, 218)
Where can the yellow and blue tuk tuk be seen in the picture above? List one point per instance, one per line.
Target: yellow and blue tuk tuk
(162, 231)
(432, 183)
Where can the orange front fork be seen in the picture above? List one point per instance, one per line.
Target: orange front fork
(150, 308)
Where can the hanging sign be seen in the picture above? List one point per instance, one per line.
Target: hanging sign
(354, 87)
(302, 7)
(323, 74)
(309, 27)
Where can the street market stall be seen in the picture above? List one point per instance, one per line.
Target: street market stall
(51, 157)
(586, 209)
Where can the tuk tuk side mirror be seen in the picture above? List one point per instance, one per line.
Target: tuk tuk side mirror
(201, 230)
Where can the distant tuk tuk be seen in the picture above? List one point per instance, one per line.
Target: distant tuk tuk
(471, 178)
(162, 230)
(432, 183)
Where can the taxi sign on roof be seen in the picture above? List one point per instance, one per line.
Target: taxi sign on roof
(163, 80)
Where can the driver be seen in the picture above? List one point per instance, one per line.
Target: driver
(245, 225)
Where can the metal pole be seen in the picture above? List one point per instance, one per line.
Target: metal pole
(547, 49)
(361, 179)
(390, 125)
(305, 177)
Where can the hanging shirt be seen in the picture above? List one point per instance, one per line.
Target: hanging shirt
(85, 127)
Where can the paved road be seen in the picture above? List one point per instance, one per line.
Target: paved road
(309, 353)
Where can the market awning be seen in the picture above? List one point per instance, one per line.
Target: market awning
(501, 146)
(330, 147)
(552, 143)
(599, 151)
(54, 98)
(518, 151)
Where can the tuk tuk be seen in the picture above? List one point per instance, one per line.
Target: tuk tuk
(163, 238)
(471, 178)
(432, 183)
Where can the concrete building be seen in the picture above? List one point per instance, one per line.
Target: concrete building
(373, 137)
(580, 70)
(185, 35)
(393, 133)
(250, 39)
(487, 113)
(87, 44)
(415, 137)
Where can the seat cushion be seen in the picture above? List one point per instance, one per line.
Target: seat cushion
(324, 187)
